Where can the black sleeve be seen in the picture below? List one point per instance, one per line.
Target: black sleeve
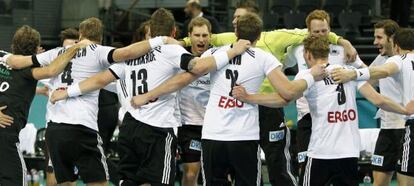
(35, 61)
(27, 73)
(110, 56)
(185, 60)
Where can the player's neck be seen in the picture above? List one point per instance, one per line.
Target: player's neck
(320, 61)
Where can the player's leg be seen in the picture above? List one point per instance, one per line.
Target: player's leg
(246, 162)
(275, 142)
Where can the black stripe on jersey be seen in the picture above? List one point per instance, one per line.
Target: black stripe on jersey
(158, 49)
(113, 73)
(403, 56)
(93, 47)
(214, 50)
(123, 87)
(35, 61)
(110, 56)
(250, 52)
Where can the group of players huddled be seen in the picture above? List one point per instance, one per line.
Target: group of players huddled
(215, 99)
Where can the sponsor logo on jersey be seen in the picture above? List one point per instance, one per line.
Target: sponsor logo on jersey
(276, 135)
(195, 145)
(337, 116)
(302, 156)
(377, 160)
(227, 102)
(334, 52)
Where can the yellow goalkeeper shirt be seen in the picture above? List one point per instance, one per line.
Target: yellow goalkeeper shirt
(276, 42)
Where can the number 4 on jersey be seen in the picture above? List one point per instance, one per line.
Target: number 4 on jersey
(66, 75)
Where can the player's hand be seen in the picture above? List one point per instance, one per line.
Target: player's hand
(241, 45)
(318, 72)
(239, 92)
(5, 120)
(140, 100)
(170, 40)
(83, 43)
(58, 95)
(350, 51)
(40, 50)
(43, 91)
(342, 75)
(2, 54)
(410, 107)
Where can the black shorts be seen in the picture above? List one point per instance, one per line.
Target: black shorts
(189, 143)
(219, 158)
(342, 171)
(405, 164)
(303, 134)
(13, 168)
(387, 150)
(147, 153)
(275, 142)
(76, 150)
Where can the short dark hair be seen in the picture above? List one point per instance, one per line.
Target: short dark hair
(199, 21)
(69, 33)
(25, 41)
(249, 5)
(140, 32)
(390, 27)
(404, 38)
(249, 27)
(162, 23)
(317, 46)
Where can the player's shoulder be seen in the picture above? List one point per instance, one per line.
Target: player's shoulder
(335, 50)
(302, 73)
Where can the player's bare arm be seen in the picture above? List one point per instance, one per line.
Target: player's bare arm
(20, 61)
(350, 51)
(95, 82)
(273, 100)
(58, 64)
(375, 72)
(383, 102)
(139, 49)
(291, 90)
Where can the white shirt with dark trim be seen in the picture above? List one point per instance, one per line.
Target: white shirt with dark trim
(405, 77)
(334, 115)
(389, 88)
(226, 118)
(295, 56)
(146, 73)
(81, 110)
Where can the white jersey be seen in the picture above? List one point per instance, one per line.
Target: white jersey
(405, 77)
(334, 115)
(146, 73)
(81, 110)
(193, 101)
(228, 119)
(123, 98)
(389, 88)
(295, 56)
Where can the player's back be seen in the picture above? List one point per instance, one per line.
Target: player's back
(86, 63)
(229, 119)
(148, 72)
(334, 118)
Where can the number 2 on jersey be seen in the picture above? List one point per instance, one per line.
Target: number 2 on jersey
(232, 75)
(141, 75)
(66, 75)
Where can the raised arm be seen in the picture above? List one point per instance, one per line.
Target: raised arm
(139, 49)
(371, 73)
(350, 51)
(58, 64)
